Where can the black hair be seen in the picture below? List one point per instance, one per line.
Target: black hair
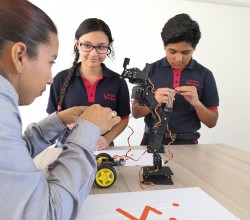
(87, 26)
(21, 21)
(94, 24)
(181, 28)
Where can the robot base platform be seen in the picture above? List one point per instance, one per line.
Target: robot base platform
(159, 177)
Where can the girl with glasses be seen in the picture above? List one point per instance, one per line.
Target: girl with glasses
(89, 81)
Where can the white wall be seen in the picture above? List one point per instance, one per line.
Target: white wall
(136, 26)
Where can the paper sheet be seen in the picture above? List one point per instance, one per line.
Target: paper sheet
(179, 204)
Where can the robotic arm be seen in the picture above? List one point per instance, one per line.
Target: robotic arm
(142, 92)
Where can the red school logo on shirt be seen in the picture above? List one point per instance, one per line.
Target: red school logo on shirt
(193, 83)
(111, 97)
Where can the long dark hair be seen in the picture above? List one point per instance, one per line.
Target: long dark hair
(21, 21)
(87, 26)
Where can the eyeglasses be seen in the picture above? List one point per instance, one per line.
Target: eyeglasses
(85, 47)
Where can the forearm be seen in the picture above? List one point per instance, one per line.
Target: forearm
(206, 116)
(63, 192)
(39, 136)
(139, 111)
(116, 130)
(74, 170)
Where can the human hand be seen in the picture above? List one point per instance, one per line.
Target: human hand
(161, 94)
(189, 93)
(102, 117)
(71, 115)
(102, 143)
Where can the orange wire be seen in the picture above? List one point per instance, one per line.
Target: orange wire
(128, 140)
(128, 157)
(169, 150)
(149, 184)
(152, 86)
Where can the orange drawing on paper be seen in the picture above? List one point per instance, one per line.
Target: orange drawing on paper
(145, 212)
(143, 215)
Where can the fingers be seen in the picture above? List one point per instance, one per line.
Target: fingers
(104, 118)
(70, 116)
(100, 147)
(165, 90)
(186, 90)
(78, 110)
(114, 114)
(102, 143)
(107, 109)
(115, 120)
(162, 94)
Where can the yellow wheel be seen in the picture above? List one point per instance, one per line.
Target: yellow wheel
(105, 176)
(102, 157)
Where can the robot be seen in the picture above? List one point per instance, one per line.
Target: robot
(156, 174)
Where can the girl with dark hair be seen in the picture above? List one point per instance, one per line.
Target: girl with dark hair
(28, 48)
(90, 81)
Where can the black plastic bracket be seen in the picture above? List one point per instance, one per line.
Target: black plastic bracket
(159, 177)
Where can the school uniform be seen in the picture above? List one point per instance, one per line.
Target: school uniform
(108, 91)
(183, 120)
